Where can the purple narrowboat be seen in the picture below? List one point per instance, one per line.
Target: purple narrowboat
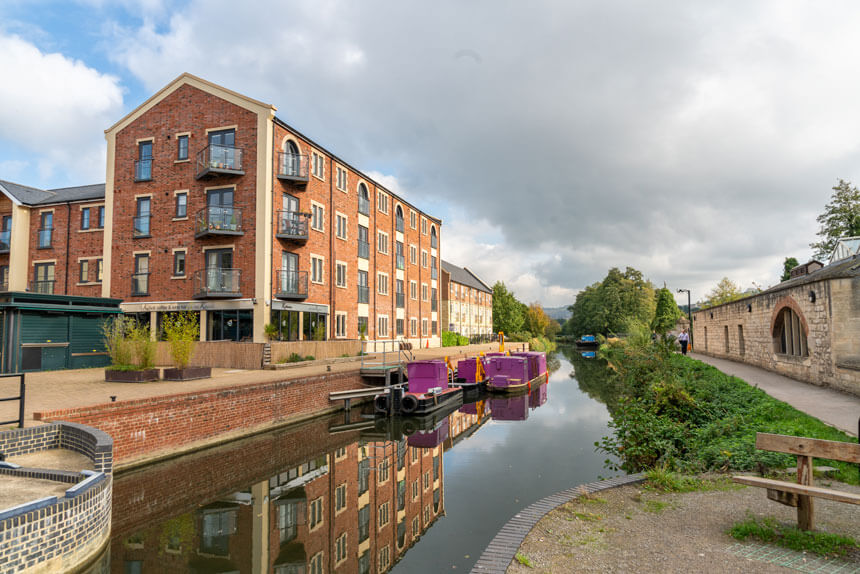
(427, 391)
(517, 372)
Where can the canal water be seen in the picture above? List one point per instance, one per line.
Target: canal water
(363, 495)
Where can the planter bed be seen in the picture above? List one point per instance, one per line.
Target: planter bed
(142, 376)
(187, 374)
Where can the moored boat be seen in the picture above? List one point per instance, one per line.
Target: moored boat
(428, 390)
(587, 341)
(517, 372)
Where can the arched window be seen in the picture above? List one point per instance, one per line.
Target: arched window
(398, 218)
(789, 334)
(434, 241)
(363, 199)
(291, 160)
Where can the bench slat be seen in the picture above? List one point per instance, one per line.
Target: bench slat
(815, 447)
(815, 491)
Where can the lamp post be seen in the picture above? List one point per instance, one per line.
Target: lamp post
(689, 314)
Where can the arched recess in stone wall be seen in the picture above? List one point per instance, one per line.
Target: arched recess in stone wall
(789, 329)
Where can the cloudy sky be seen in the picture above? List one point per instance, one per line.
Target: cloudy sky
(556, 139)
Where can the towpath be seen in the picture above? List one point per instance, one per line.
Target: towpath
(833, 407)
(54, 390)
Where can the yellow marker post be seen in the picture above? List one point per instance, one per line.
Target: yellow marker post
(501, 341)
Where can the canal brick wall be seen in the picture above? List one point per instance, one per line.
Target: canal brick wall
(150, 428)
(744, 331)
(57, 534)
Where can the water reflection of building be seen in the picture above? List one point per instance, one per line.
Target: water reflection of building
(356, 509)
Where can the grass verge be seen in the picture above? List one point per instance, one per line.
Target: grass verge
(770, 531)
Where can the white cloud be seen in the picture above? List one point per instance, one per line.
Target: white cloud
(56, 108)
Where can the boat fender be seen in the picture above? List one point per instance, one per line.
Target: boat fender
(408, 403)
(381, 403)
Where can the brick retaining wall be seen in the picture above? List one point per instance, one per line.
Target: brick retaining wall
(143, 427)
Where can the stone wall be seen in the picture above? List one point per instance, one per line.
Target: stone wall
(829, 312)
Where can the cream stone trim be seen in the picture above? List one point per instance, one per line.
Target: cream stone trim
(211, 187)
(345, 274)
(148, 252)
(379, 283)
(201, 84)
(138, 195)
(46, 210)
(264, 228)
(346, 227)
(311, 225)
(337, 169)
(89, 258)
(387, 242)
(189, 134)
(107, 238)
(213, 247)
(175, 249)
(381, 193)
(81, 206)
(290, 138)
(336, 336)
(311, 166)
(182, 160)
(413, 216)
(34, 262)
(178, 191)
(144, 140)
(90, 230)
(311, 258)
(222, 128)
(179, 218)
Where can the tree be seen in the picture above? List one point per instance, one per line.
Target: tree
(725, 291)
(667, 313)
(841, 218)
(609, 306)
(787, 265)
(536, 320)
(553, 329)
(507, 310)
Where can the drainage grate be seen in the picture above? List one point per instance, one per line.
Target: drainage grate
(793, 559)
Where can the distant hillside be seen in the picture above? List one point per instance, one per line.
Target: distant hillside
(557, 313)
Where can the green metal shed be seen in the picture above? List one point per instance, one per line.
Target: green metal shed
(49, 332)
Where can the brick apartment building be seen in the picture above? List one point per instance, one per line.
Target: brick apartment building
(215, 205)
(467, 302)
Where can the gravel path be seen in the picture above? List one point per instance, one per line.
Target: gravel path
(637, 529)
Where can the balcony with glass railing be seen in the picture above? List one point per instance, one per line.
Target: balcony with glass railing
(401, 300)
(434, 272)
(43, 286)
(292, 226)
(44, 237)
(364, 249)
(140, 284)
(143, 170)
(434, 304)
(401, 262)
(291, 284)
(217, 283)
(363, 294)
(363, 205)
(218, 220)
(293, 167)
(5, 239)
(216, 160)
(141, 226)
(398, 224)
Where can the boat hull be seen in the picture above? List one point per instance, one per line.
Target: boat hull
(419, 404)
(505, 385)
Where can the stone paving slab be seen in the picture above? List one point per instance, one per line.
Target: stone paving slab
(499, 553)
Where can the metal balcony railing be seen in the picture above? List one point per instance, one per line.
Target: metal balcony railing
(293, 166)
(401, 262)
(5, 238)
(142, 169)
(398, 224)
(217, 282)
(363, 205)
(219, 220)
(140, 284)
(141, 226)
(434, 304)
(292, 225)
(43, 286)
(292, 284)
(401, 300)
(363, 294)
(45, 237)
(364, 249)
(216, 159)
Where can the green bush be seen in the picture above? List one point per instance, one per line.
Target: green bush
(684, 415)
(451, 339)
(119, 349)
(542, 344)
(296, 358)
(143, 345)
(182, 331)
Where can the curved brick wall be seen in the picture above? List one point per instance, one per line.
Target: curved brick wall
(57, 534)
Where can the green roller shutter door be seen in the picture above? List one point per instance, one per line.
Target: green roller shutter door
(47, 328)
(87, 338)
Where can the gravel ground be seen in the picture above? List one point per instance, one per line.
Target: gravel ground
(637, 529)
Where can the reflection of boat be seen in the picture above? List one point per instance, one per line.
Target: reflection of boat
(517, 372)
(587, 341)
(426, 428)
(588, 354)
(538, 396)
(514, 408)
(428, 391)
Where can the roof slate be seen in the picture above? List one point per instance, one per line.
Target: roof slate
(463, 276)
(34, 196)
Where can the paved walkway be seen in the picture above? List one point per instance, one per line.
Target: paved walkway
(835, 408)
(54, 390)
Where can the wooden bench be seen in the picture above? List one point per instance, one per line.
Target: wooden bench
(801, 493)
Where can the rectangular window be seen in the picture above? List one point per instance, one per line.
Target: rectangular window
(424, 327)
(423, 226)
(382, 202)
(433, 271)
(85, 271)
(413, 290)
(340, 274)
(317, 269)
(318, 165)
(315, 513)
(99, 270)
(399, 323)
(384, 558)
(46, 229)
(340, 324)
(383, 517)
(382, 326)
(413, 255)
(416, 527)
(181, 205)
(416, 490)
(179, 264)
(423, 258)
(413, 219)
(316, 564)
(85, 218)
(382, 283)
(341, 226)
(400, 258)
(317, 217)
(363, 290)
(140, 279)
(383, 472)
(382, 242)
(143, 165)
(341, 179)
(142, 216)
(363, 517)
(182, 147)
(44, 278)
(340, 549)
(362, 326)
(413, 327)
(433, 325)
(424, 292)
(101, 223)
(363, 242)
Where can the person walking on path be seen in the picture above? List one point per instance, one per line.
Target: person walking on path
(684, 338)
